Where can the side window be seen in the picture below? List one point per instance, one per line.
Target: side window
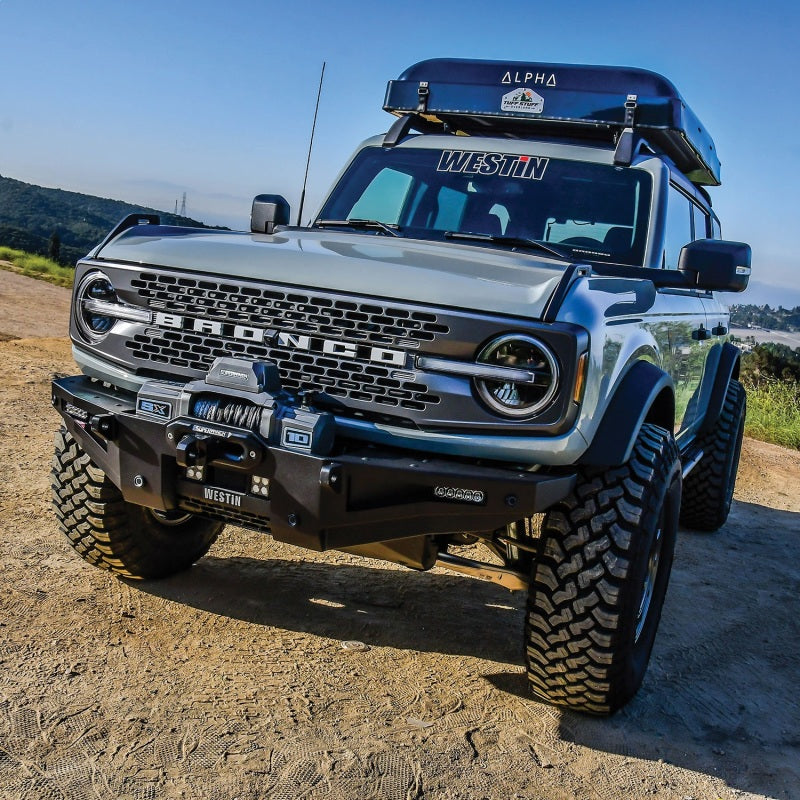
(384, 197)
(715, 228)
(679, 226)
(700, 219)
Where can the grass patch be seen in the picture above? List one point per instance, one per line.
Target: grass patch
(36, 267)
(773, 411)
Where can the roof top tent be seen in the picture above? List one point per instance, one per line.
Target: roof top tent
(556, 100)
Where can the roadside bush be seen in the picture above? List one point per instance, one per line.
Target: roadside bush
(773, 411)
(37, 267)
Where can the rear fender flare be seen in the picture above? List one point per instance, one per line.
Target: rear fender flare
(727, 370)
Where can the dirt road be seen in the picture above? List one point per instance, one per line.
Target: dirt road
(230, 680)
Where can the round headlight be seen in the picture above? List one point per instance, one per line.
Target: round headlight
(530, 382)
(92, 323)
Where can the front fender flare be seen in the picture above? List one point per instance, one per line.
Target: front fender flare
(645, 394)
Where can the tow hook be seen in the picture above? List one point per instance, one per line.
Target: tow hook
(103, 425)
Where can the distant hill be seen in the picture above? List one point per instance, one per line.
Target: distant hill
(30, 215)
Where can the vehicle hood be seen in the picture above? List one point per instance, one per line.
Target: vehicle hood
(434, 273)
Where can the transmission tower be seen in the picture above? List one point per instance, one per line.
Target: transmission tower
(183, 205)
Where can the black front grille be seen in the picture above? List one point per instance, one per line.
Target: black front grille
(340, 378)
(333, 376)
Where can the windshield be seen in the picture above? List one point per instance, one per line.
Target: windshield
(594, 211)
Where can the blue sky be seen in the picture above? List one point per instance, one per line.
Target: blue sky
(142, 102)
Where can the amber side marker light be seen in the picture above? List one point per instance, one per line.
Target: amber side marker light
(580, 380)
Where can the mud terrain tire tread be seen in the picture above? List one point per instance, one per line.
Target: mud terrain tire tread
(708, 489)
(588, 578)
(113, 534)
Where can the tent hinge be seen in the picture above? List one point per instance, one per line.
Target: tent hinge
(423, 93)
(630, 110)
(623, 155)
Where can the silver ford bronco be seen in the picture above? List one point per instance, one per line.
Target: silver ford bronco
(500, 330)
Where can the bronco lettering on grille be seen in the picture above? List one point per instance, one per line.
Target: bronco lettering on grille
(292, 341)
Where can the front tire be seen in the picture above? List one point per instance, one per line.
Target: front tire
(708, 488)
(600, 577)
(112, 534)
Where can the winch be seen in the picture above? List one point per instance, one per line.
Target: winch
(232, 416)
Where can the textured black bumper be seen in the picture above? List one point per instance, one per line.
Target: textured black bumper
(362, 496)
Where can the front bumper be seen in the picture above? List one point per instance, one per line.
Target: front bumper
(268, 478)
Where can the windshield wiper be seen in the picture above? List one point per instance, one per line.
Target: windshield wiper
(511, 241)
(362, 224)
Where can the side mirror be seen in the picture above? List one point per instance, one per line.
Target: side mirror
(715, 265)
(268, 211)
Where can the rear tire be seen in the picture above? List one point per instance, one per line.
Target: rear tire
(600, 577)
(708, 488)
(113, 534)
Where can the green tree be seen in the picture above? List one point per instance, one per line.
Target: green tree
(771, 361)
(54, 247)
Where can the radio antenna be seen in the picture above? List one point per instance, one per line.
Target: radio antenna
(310, 145)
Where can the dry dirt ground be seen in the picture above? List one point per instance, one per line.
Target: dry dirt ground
(230, 680)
